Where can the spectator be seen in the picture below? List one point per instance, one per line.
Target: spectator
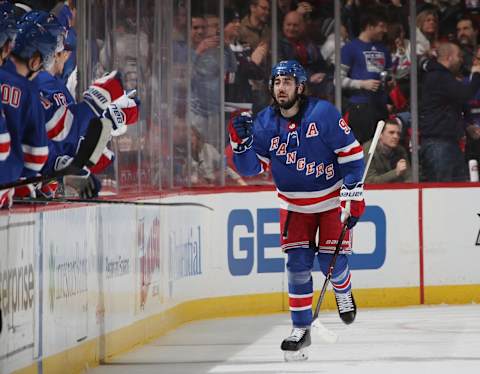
(363, 60)
(207, 162)
(397, 12)
(440, 120)
(255, 32)
(472, 114)
(467, 34)
(328, 48)
(295, 46)
(390, 162)
(254, 26)
(205, 83)
(248, 63)
(400, 49)
(427, 32)
(198, 34)
(122, 53)
(213, 25)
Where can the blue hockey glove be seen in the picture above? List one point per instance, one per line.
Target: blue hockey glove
(352, 203)
(241, 132)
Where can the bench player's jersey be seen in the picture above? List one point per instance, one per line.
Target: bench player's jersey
(66, 121)
(25, 121)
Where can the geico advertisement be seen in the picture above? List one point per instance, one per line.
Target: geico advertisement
(385, 241)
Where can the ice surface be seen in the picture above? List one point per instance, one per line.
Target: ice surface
(426, 340)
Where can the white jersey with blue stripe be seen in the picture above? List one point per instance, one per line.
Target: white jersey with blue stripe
(310, 156)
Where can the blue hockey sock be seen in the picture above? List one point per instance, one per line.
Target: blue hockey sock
(341, 276)
(300, 285)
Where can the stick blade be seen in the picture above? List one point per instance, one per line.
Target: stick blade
(324, 333)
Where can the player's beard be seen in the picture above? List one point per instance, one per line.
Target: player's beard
(289, 103)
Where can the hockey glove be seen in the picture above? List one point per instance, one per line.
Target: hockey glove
(123, 112)
(351, 214)
(84, 184)
(103, 92)
(6, 198)
(241, 132)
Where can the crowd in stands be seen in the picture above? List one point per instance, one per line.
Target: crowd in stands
(375, 70)
(375, 79)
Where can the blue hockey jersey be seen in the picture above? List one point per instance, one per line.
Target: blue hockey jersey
(310, 156)
(26, 125)
(66, 121)
(4, 140)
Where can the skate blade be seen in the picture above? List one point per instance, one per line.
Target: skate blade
(300, 355)
(324, 333)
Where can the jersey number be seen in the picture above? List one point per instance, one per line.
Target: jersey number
(60, 99)
(11, 95)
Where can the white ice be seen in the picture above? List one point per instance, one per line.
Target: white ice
(426, 340)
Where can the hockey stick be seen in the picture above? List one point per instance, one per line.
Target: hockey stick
(88, 154)
(28, 200)
(327, 335)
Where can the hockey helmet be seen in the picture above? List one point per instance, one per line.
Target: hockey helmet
(290, 68)
(50, 23)
(7, 22)
(33, 37)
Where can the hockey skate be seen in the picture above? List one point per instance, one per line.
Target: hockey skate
(346, 306)
(295, 345)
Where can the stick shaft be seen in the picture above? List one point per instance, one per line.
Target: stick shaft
(103, 201)
(376, 137)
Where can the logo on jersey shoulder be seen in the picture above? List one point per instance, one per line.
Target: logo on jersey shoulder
(312, 130)
(45, 102)
(344, 126)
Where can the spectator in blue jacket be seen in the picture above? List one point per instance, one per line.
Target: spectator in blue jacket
(441, 119)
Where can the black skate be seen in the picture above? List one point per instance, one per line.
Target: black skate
(346, 307)
(295, 345)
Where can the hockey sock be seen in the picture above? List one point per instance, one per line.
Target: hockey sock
(341, 276)
(300, 285)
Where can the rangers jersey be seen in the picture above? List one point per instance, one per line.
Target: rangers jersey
(4, 140)
(66, 121)
(25, 123)
(310, 156)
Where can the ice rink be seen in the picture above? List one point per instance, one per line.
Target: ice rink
(427, 340)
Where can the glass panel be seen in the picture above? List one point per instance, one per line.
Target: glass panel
(248, 58)
(375, 74)
(204, 130)
(170, 51)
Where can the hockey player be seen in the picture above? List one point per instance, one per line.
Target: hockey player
(5, 195)
(314, 159)
(66, 120)
(20, 98)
